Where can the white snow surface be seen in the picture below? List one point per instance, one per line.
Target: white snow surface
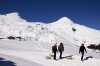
(38, 39)
(35, 52)
(16, 61)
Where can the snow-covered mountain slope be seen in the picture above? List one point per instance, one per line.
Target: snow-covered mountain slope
(40, 38)
(59, 31)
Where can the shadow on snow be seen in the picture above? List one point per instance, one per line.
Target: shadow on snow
(88, 57)
(3, 62)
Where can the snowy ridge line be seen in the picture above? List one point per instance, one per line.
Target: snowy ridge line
(39, 31)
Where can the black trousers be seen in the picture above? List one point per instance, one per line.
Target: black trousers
(54, 55)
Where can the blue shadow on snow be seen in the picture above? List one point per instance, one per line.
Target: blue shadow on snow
(3, 62)
(88, 57)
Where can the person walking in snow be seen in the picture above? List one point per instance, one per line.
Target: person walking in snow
(81, 49)
(60, 49)
(54, 50)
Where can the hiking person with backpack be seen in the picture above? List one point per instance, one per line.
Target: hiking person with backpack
(60, 49)
(54, 50)
(81, 49)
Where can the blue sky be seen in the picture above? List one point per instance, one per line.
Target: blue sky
(84, 12)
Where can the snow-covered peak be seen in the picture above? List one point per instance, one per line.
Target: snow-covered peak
(64, 20)
(12, 14)
(11, 18)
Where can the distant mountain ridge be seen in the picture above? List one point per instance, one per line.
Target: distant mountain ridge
(60, 31)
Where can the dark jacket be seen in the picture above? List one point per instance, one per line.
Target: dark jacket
(54, 49)
(60, 48)
(82, 48)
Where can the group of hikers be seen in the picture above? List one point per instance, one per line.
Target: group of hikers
(61, 49)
